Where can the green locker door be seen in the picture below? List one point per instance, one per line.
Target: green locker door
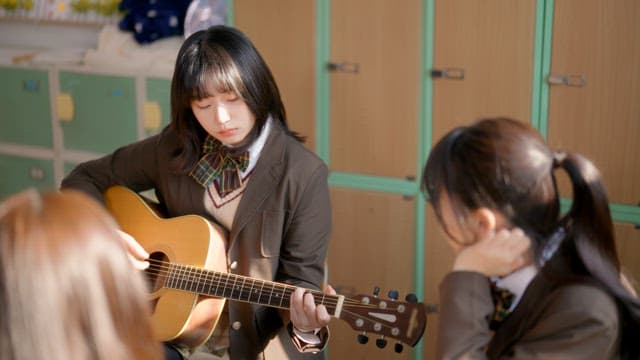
(19, 173)
(157, 112)
(103, 115)
(25, 115)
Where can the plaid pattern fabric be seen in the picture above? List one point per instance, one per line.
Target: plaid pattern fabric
(221, 165)
(502, 300)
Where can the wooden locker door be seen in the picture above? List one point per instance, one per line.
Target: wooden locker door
(598, 42)
(375, 49)
(283, 31)
(628, 245)
(372, 245)
(492, 43)
(438, 262)
(486, 48)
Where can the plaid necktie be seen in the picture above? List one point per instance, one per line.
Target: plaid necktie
(220, 164)
(502, 299)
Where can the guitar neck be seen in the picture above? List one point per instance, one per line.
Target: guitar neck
(237, 287)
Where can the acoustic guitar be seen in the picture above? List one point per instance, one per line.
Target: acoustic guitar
(189, 282)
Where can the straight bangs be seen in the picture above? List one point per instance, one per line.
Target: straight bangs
(214, 70)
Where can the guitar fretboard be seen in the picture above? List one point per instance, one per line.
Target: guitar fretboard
(234, 287)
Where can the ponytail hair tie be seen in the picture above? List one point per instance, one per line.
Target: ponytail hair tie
(558, 158)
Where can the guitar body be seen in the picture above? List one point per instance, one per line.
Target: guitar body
(183, 317)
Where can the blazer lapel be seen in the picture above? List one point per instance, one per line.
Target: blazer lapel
(262, 181)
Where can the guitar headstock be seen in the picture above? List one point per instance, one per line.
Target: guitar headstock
(402, 321)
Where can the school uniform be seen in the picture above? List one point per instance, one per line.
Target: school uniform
(572, 318)
(280, 230)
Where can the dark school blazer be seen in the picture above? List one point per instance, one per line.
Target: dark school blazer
(280, 231)
(576, 320)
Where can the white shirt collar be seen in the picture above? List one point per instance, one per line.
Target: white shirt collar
(256, 148)
(517, 282)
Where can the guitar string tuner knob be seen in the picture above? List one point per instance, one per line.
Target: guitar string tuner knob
(381, 343)
(363, 339)
(393, 294)
(376, 291)
(398, 348)
(412, 298)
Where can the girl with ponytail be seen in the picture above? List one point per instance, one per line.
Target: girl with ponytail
(527, 281)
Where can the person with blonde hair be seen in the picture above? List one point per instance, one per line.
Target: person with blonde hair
(67, 287)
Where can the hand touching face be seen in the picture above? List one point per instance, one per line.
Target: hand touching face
(496, 254)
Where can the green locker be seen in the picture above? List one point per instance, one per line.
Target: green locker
(25, 113)
(19, 173)
(157, 112)
(99, 111)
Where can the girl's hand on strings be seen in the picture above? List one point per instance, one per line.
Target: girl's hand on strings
(137, 254)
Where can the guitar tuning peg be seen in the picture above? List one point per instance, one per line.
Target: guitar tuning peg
(412, 298)
(376, 291)
(363, 339)
(393, 294)
(381, 343)
(398, 348)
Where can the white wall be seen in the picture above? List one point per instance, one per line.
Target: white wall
(31, 34)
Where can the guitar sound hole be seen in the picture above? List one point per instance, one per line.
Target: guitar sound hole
(157, 272)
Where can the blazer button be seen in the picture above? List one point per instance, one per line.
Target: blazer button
(236, 325)
(233, 265)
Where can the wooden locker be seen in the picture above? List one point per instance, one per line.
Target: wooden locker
(375, 54)
(283, 31)
(372, 245)
(595, 87)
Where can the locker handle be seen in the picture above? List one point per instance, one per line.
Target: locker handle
(577, 80)
(448, 73)
(36, 173)
(432, 308)
(64, 105)
(353, 68)
(152, 119)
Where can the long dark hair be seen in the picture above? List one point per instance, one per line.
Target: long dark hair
(225, 57)
(505, 165)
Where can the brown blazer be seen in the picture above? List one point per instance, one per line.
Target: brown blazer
(280, 231)
(573, 321)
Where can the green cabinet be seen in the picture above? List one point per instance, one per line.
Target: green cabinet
(53, 118)
(104, 111)
(25, 112)
(157, 112)
(19, 173)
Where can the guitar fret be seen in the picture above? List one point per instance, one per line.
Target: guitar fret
(284, 288)
(240, 288)
(180, 278)
(169, 279)
(211, 278)
(270, 294)
(189, 278)
(249, 292)
(260, 293)
(235, 280)
(199, 282)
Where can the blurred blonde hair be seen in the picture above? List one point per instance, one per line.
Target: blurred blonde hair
(67, 287)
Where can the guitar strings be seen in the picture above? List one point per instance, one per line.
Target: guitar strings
(190, 274)
(194, 275)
